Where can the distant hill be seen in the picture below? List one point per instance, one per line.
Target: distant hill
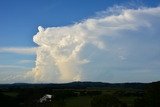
(73, 85)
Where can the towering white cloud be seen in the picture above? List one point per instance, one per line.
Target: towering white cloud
(76, 51)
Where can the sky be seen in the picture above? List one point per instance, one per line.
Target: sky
(50, 41)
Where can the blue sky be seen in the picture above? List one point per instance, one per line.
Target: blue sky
(19, 20)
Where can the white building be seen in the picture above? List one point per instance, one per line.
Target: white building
(46, 98)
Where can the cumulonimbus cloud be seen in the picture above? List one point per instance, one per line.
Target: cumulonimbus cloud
(61, 54)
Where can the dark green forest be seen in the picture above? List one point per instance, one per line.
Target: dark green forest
(80, 94)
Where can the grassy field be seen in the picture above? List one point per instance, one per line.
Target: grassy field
(121, 95)
(11, 94)
(82, 101)
(85, 99)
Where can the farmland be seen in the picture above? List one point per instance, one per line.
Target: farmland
(80, 94)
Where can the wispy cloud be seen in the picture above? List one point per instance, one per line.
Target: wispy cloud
(25, 61)
(13, 66)
(18, 50)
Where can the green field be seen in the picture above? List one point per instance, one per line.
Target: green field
(119, 95)
(12, 94)
(85, 100)
(82, 101)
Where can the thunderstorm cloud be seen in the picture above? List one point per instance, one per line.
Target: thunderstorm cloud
(124, 43)
(118, 45)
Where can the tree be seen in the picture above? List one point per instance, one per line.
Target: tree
(106, 101)
(151, 97)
